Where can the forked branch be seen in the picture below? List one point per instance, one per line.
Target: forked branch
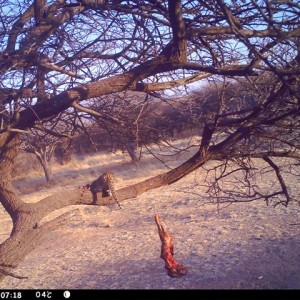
(280, 180)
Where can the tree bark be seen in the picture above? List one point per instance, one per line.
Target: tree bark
(42, 158)
(133, 152)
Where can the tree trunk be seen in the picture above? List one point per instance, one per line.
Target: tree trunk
(42, 157)
(47, 170)
(133, 152)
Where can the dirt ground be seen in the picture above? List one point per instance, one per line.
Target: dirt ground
(243, 246)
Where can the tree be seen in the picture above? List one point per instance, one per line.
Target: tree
(43, 150)
(132, 121)
(56, 56)
(43, 147)
(270, 132)
(43, 140)
(125, 122)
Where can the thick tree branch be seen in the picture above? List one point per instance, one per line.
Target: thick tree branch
(177, 49)
(17, 27)
(118, 83)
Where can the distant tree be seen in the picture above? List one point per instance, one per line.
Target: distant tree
(131, 121)
(125, 123)
(43, 146)
(58, 55)
(42, 141)
(43, 150)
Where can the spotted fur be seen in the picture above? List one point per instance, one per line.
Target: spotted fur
(105, 185)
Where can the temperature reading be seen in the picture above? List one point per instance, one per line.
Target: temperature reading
(43, 295)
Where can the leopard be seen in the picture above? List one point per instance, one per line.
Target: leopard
(105, 185)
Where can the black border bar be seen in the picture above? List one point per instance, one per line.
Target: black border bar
(75, 294)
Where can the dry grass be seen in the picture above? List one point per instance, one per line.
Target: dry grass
(84, 169)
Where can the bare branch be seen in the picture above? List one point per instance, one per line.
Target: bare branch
(94, 113)
(8, 273)
(158, 86)
(54, 67)
(280, 179)
(51, 132)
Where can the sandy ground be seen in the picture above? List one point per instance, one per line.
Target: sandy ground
(243, 246)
